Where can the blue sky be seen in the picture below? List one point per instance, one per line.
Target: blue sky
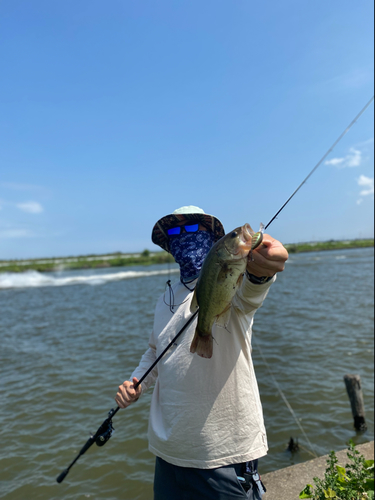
(113, 114)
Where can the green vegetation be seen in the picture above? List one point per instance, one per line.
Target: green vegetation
(147, 258)
(329, 245)
(355, 481)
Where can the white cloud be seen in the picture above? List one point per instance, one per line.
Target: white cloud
(353, 159)
(335, 161)
(369, 183)
(31, 207)
(368, 142)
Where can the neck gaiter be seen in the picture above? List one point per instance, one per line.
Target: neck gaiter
(189, 251)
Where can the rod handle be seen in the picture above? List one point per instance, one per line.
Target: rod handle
(87, 445)
(62, 476)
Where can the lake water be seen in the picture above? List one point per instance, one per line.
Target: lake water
(67, 340)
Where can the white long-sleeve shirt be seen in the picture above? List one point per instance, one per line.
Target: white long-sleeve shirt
(205, 413)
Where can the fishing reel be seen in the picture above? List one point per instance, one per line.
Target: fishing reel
(105, 430)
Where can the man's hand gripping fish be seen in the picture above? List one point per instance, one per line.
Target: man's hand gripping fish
(220, 276)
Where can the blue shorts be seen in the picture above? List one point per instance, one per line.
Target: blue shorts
(184, 483)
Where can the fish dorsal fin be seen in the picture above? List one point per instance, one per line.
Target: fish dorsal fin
(194, 302)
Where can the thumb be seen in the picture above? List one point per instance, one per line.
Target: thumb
(136, 381)
(265, 245)
(267, 240)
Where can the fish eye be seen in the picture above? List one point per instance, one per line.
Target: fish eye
(233, 235)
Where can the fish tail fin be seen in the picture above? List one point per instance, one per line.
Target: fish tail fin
(202, 345)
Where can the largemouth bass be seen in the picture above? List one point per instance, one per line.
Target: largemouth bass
(220, 276)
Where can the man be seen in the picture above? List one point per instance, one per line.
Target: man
(206, 424)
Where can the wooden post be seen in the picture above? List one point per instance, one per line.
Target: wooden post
(354, 389)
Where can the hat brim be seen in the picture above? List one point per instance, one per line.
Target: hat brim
(160, 236)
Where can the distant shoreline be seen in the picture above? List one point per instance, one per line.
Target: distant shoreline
(329, 245)
(147, 258)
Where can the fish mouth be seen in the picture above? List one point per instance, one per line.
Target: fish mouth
(247, 232)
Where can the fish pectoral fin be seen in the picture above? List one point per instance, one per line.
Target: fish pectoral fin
(223, 274)
(223, 318)
(194, 303)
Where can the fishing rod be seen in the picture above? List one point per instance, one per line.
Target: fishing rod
(321, 160)
(258, 237)
(104, 432)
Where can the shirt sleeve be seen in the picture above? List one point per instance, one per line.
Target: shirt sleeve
(250, 296)
(147, 359)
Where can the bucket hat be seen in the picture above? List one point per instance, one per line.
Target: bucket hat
(189, 213)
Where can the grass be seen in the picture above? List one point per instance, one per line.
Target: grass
(147, 258)
(355, 481)
(329, 245)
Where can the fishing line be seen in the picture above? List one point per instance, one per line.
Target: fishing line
(285, 399)
(270, 222)
(104, 432)
(322, 159)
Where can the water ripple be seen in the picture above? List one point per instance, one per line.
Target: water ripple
(65, 349)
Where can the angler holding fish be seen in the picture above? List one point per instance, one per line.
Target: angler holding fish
(206, 423)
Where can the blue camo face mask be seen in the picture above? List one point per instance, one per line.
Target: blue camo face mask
(189, 251)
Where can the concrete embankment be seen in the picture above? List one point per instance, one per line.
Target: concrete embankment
(286, 484)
